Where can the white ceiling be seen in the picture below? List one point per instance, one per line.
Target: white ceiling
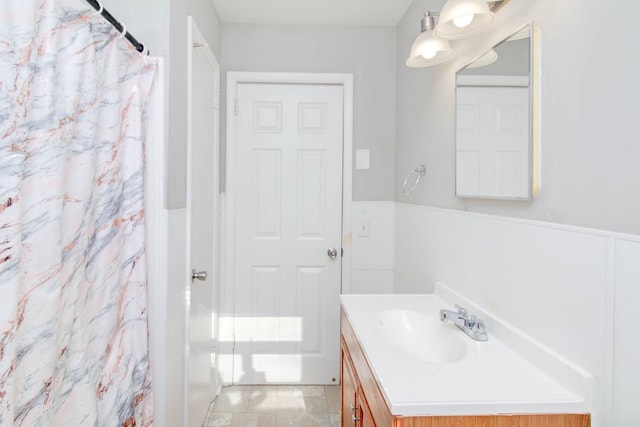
(312, 12)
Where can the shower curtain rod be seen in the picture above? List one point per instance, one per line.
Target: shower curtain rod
(117, 24)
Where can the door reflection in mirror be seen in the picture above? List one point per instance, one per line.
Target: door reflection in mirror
(494, 122)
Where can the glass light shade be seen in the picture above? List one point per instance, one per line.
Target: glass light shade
(483, 60)
(456, 12)
(428, 50)
(462, 21)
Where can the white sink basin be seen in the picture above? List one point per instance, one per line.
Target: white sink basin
(424, 366)
(421, 336)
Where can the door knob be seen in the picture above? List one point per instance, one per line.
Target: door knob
(332, 252)
(198, 275)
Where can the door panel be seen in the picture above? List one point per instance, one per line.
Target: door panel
(267, 165)
(492, 142)
(288, 192)
(203, 207)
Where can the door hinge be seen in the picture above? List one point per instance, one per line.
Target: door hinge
(235, 107)
(341, 252)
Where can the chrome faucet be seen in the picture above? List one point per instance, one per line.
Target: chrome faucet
(470, 325)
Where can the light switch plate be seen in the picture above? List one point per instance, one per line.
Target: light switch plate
(362, 159)
(362, 227)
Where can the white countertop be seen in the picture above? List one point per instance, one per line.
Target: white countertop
(491, 379)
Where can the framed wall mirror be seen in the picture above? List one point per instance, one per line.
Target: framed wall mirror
(495, 121)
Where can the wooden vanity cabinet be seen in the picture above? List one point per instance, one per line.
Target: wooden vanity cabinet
(363, 404)
(355, 409)
(349, 393)
(366, 418)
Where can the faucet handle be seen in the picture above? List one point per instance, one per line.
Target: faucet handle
(462, 311)
(479, 331)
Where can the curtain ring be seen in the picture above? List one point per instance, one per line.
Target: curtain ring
(101, 9)
(124, 30)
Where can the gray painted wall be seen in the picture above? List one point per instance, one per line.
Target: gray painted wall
(367, 52)
(148, 21)
(589, 144)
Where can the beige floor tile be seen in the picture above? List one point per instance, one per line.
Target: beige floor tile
(276, 406)
(264, 390)
(312, 390)
(232, 399)
(316, 408)
(218, 419)
(245, 420)
(259, 402)
(290, 391)
(286, 419)
(332, 394)
(291, 404)
(267, 420)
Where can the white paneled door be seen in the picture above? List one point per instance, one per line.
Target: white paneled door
(203, 226)
(288, 219)
(492, 142)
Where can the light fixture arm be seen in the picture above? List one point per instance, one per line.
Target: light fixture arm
(428, 21)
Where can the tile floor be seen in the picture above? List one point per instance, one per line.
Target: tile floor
(275, 406)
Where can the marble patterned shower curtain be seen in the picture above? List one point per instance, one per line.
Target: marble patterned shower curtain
(73, 305)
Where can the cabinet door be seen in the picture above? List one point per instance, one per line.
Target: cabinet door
(366, 419)
(349, 390)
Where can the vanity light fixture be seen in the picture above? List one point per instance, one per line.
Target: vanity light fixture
(463, 18)
(494, 5)
(458, 19)
(427, 49)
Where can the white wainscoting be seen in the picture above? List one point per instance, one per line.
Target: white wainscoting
(626, 339)
(575, 290)
(176, 320)
(373, 249)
